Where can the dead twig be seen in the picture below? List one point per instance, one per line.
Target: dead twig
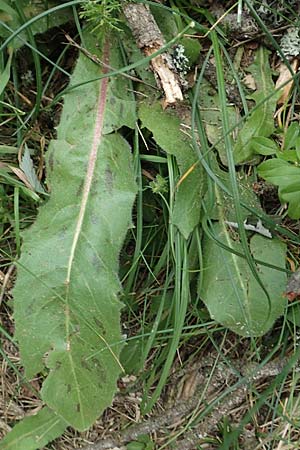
(150, 39)
(184, 408)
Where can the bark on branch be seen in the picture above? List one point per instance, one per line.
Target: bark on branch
(183, 408)
(150, 39)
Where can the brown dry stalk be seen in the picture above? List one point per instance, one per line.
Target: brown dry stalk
(284, 76)
(150, 39)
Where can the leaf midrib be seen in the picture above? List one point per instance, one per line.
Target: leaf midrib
(97, 137)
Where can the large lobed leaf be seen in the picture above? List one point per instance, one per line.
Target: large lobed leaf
(67, 310)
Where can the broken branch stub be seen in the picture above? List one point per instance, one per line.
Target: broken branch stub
(150, 39)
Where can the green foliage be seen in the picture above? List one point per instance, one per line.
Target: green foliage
(8, 179)
(291, 136)
(26, 165)
(159, 185)
(293, 314)
(101, 14)
(290, 149)
(11, 20)
(66, 305)
(142, 443)
(220, 206)
(263, 146)
(209, 102)
(5, 75)
(260, 122)
(287, 177)
(231, 293)
(186, 213)
(227, 286)
(283, 170)
(34, 432)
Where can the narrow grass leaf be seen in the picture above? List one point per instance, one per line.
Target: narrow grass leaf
(169, 134)
(67, 310)
(260, 122)
(293, 314)
(5, 75)
(209, 104)
(221, 205)
(10, 180)
(8, 149)
(10, 17)
(230, 290)
(233, 176)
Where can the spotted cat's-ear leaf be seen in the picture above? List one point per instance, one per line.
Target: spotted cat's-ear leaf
(67, 310)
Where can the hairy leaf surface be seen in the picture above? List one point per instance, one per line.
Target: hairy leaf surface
(209, 104)
(260, 122)
(34, 432)
(168, 134)
(66, 295)
(232, 294)
(228, 287)
(221, 206)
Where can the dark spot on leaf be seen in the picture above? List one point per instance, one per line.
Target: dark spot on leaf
(100, 369)
(94, 219)
(58, 365)
(62, 233)
(31, 308)
(112, 100)
(108, 242)
(97, 263)
(51, 161)
(87, 109)
(69, 388)
(100, 326)
(45, 357)
(108, 179)
(77, 328)
(78, 407)
(121, 109)
(85, 364)
(79, 190)
(95, 186)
